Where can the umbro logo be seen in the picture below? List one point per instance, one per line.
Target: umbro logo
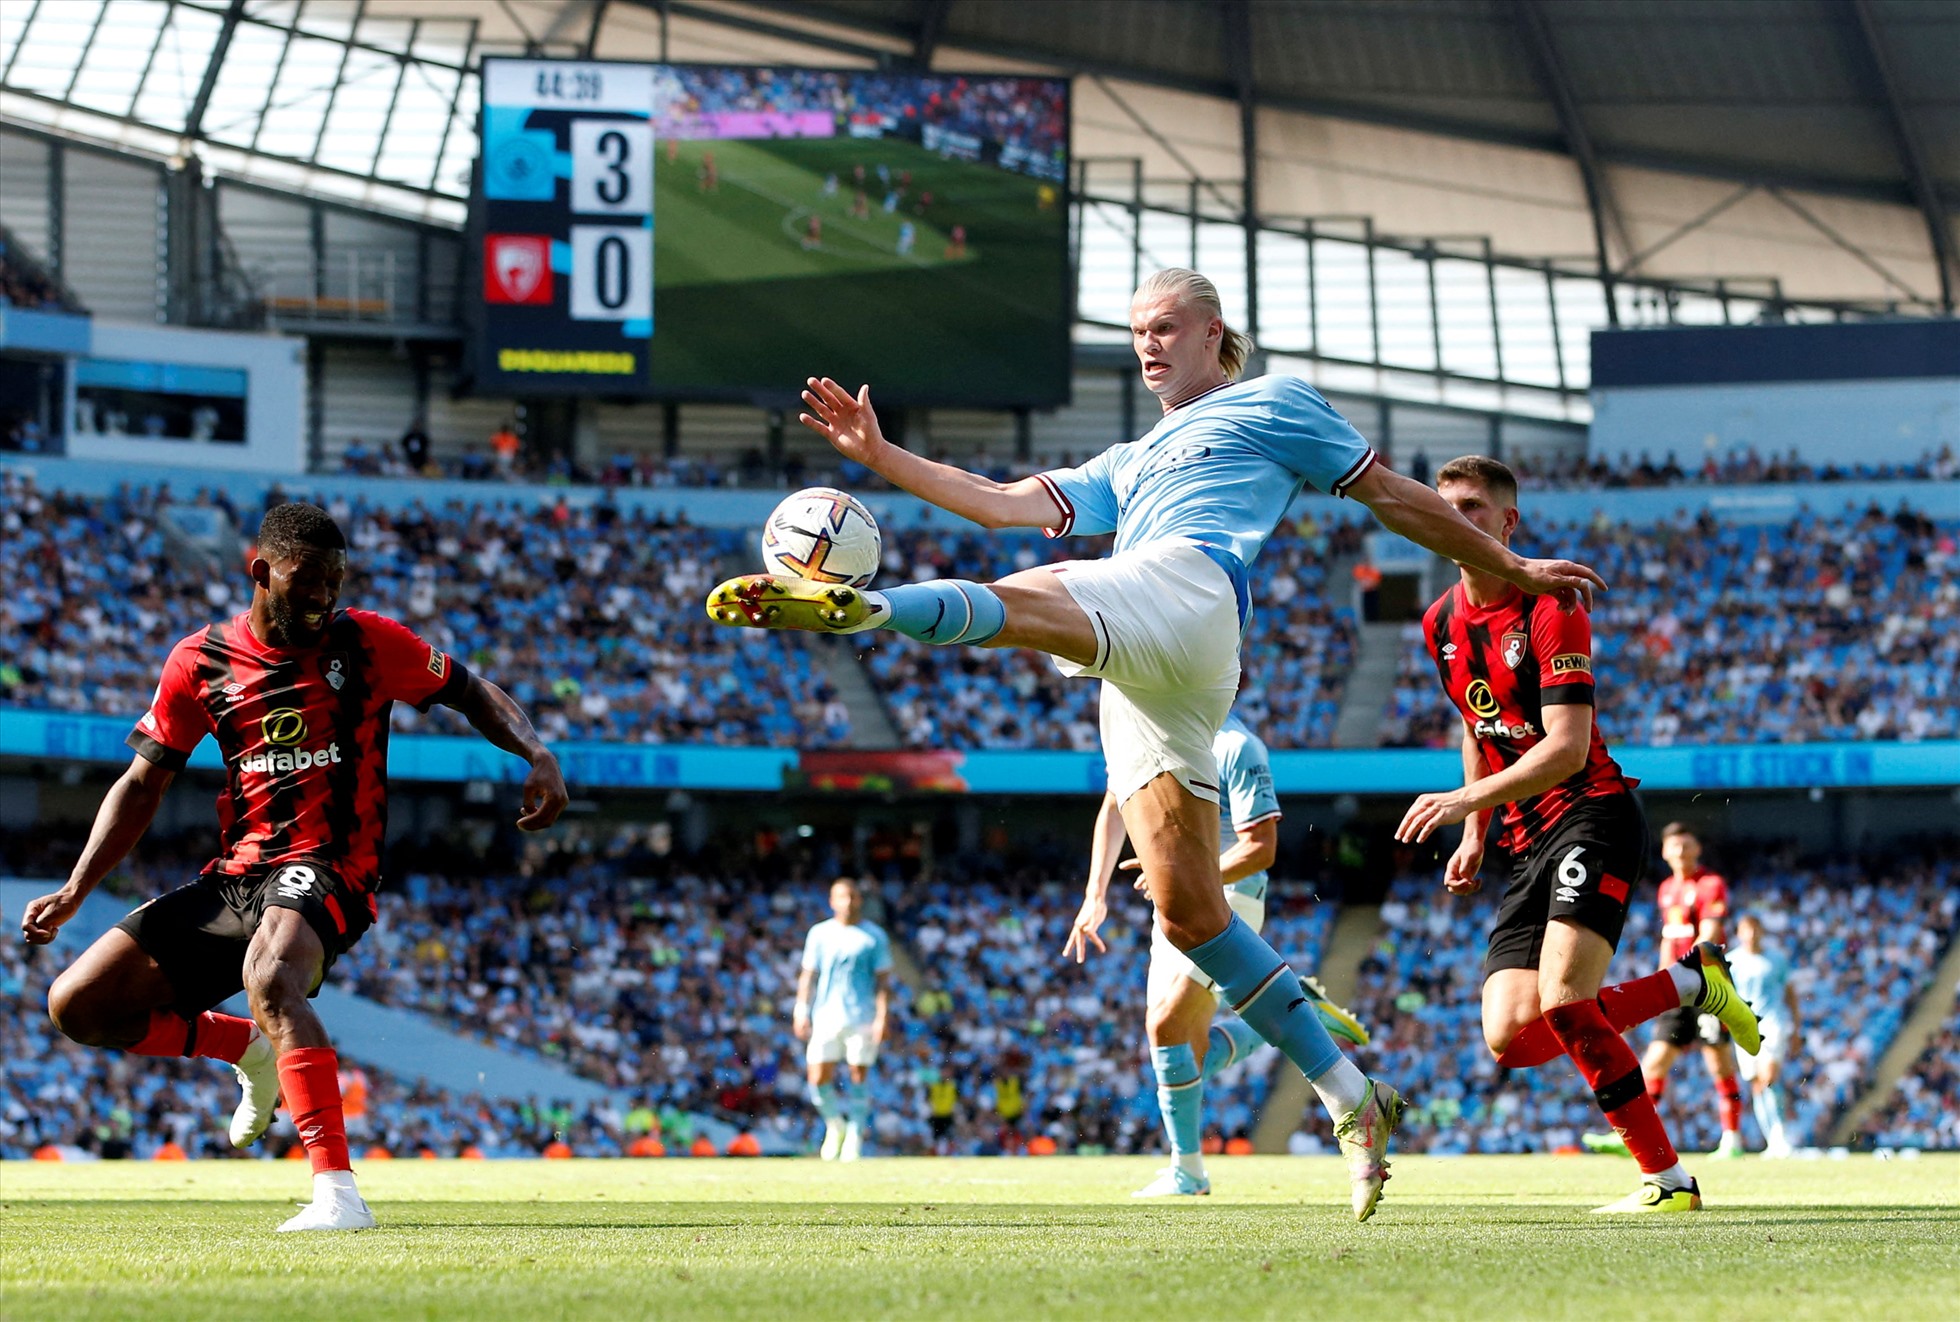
(232, 690)
(1449, 651)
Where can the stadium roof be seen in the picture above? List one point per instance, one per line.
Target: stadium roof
(1858, 97)
(1851, 103)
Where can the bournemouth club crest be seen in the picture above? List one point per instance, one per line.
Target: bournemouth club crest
(1514, 642)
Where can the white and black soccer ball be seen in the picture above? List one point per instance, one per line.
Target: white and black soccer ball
(824, 535)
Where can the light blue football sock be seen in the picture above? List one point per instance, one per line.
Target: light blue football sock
(829, 1099)
(1231, 1041)
(1254, 981)
(942, 612)
(1180, 1095)
(857, 1108)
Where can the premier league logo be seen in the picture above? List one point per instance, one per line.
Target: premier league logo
(336, 671)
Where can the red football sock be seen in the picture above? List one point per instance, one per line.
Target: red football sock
(1730, 1105)
(1624, 1005)
(1608, 1065)
(309, 1081)
(1657, 1088)
(211, 1035)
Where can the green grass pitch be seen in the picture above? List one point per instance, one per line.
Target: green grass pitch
(1485, 1238)
(739, 300)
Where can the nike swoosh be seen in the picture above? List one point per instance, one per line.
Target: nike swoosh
(934, 627)
(1296, 1005)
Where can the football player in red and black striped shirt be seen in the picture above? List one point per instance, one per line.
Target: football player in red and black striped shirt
(1519, 669)
(297, 694)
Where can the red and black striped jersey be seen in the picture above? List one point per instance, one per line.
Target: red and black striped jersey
(1686, 903)
(303, 733)
(1502, 665)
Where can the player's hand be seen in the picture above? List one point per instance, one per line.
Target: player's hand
(43, 916)
(544, 795)
(1087, 919)
(1139, 882)
(1460, 873)
(1429, 813)
(849, 424)
(800, 1024)
(1569, 583)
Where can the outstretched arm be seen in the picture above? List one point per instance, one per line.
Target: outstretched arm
(1406, 506)
(126, 813)
(851, 426)
(498, 718)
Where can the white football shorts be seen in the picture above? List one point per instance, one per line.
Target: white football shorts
(832, 1040)
(1776, 1041)
(1167, 629)
(1168, 962)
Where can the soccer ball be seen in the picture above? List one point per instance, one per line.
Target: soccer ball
(824, 535)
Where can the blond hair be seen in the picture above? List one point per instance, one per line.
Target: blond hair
(1196, 291)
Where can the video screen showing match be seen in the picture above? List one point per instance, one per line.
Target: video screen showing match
(909, 230)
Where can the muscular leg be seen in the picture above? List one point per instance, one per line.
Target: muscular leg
(1175, 834)
(1569, 974)
(1728, 1090)
(106, 997)
(1511, 1001)
(1655, 1065)
(1177, 1020)
(284, 962)
(1043, 616)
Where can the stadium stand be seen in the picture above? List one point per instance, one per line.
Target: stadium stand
(1296, 659)
(1924, 1111)
(1842, 626)
(1864, 935)
(590, 617)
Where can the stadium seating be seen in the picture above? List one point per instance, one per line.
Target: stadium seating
(1296, 658)
(1865, 937)
(590, 618)
(1924, 1110)
(1841, 627)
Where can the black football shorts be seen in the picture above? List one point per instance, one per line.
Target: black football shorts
(198, 933)
(1583, 870)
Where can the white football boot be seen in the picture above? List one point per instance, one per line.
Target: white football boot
(336, 1205)
(258, 1080)
(853, 1147)
(1175, 1182)
(833, 1140)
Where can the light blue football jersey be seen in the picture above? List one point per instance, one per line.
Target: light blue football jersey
(847, 961)
(1219, 470)
(1245, 781)
(1762, 979)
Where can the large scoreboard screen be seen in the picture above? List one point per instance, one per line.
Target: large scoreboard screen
(713, 232)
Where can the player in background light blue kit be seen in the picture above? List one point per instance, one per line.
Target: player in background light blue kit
(842, 995)
(1186, 1047)
(1763, 978)
(1159, 621)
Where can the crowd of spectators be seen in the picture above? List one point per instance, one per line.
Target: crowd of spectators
(1297, 654)
(1842, 627)
(1743, 467)
(25, 283)
(589, 617)
(1924, 1110)
(1864, 936)
(1028, 117)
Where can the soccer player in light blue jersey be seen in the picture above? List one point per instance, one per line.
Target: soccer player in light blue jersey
(1186, 1047)
(1159, 621)
(1763, 978)
(842, 995)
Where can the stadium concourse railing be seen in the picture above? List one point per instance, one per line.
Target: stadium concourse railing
(79, 737)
